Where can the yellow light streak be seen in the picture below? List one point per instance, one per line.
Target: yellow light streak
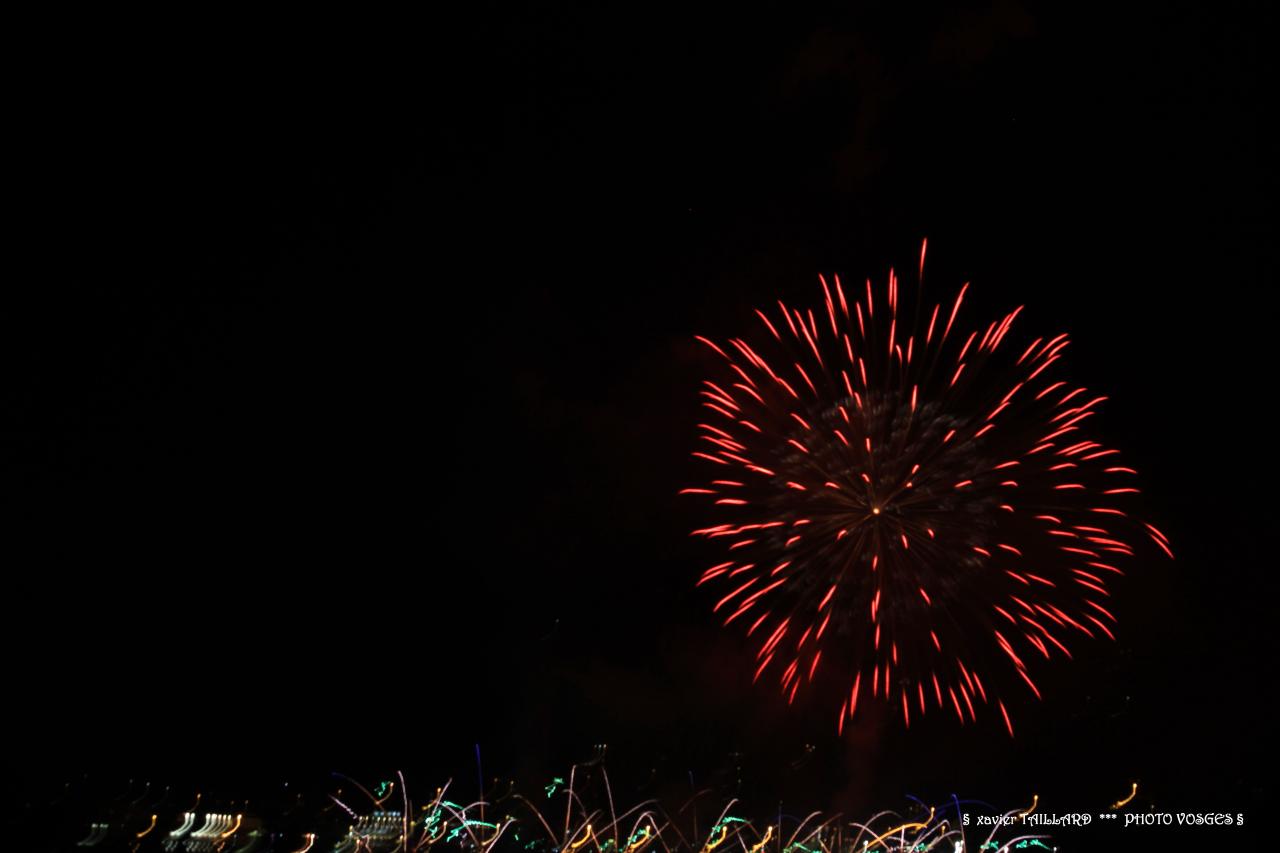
(1122, 803)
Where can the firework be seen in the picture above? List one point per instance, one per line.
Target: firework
(911, 496)
(573, 814)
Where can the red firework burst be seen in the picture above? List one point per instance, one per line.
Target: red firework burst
(928, 496)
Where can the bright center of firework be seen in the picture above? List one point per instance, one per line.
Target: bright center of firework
(875, 510)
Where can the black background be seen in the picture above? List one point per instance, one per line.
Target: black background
(346, 402)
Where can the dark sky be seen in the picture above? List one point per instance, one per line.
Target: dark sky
(344, 410)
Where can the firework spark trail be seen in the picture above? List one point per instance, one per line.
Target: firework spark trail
(927, 493)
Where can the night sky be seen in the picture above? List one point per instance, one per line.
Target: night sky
(344, 411)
